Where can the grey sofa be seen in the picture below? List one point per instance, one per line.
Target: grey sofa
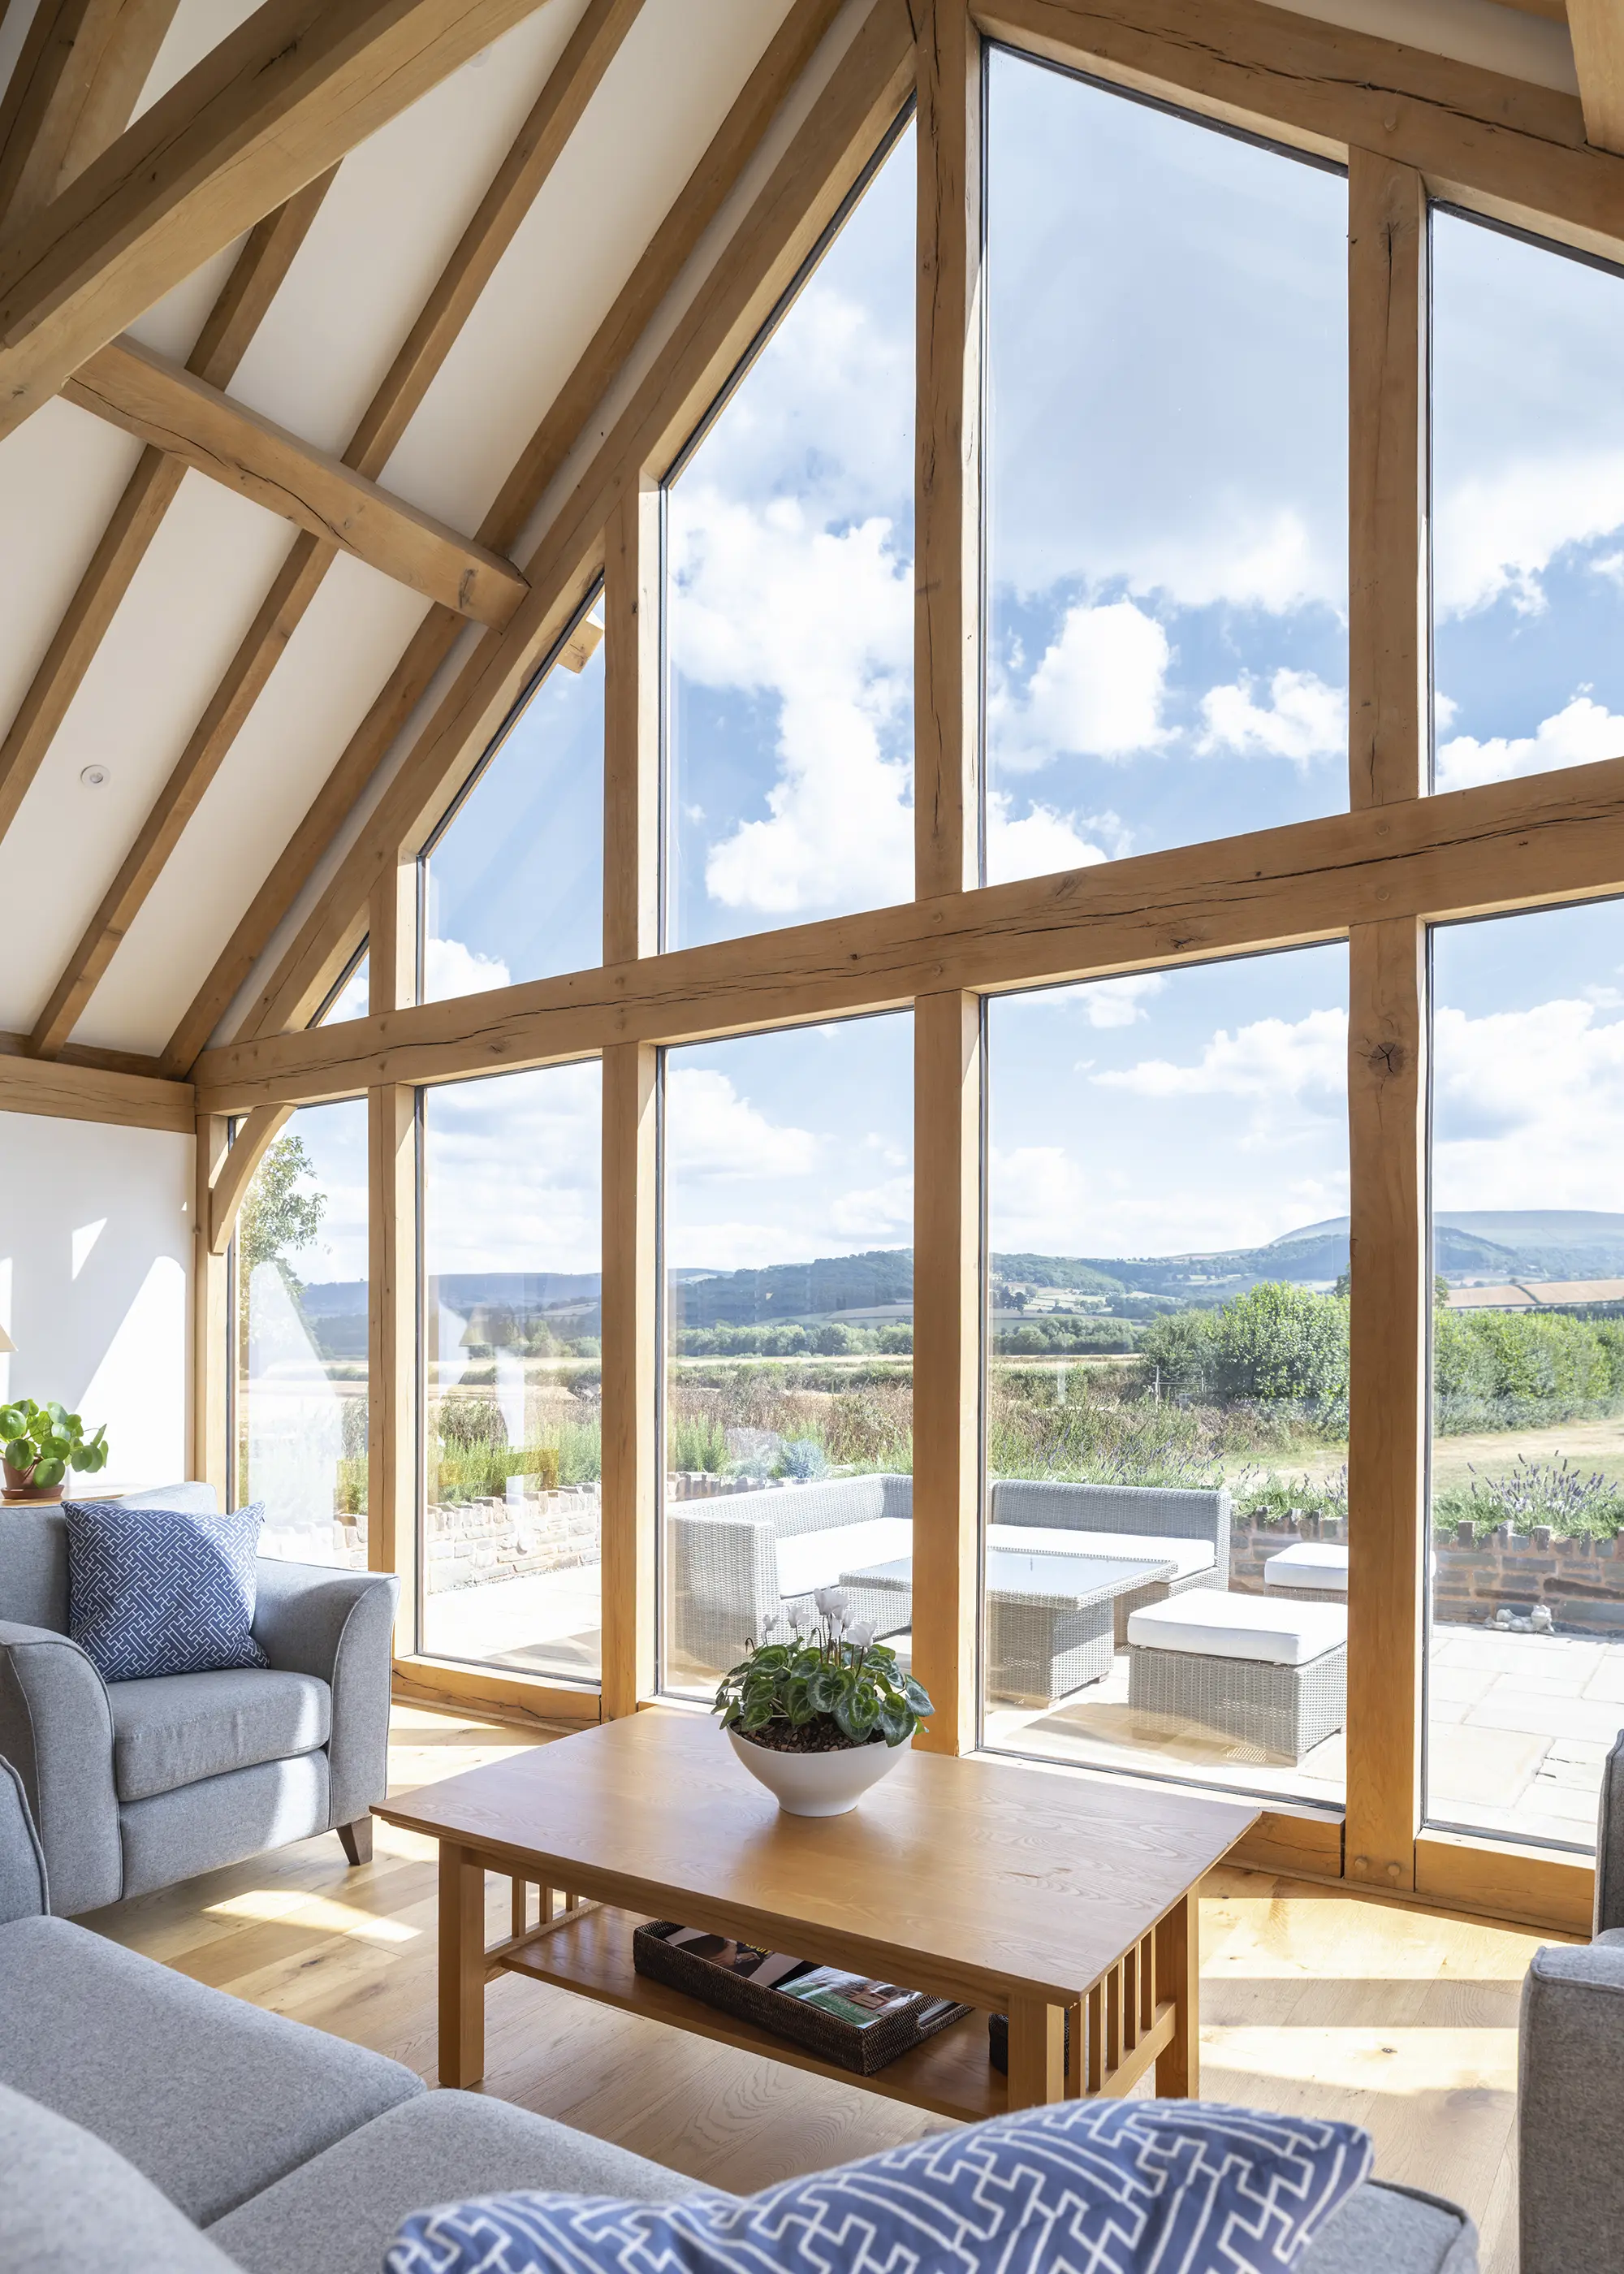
(135, 1785)
(149, 2125)
(738, 1563)
(1570, 2077)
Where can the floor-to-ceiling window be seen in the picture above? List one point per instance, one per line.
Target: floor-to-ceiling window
(1525, 1672)
(1165, 532)
(1166, 1374)
(510, 1330)
(788, 1390)
(789, 602)
(512, 878)
(299, 1328)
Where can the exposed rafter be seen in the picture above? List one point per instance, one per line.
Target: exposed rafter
(805, 188)
(161, 404)
(1597, 29)
(248, 291)
(718, 172)
(569, 87)
(278, 102)
(82, 67)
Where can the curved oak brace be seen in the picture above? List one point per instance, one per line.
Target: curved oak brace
(253, 1141)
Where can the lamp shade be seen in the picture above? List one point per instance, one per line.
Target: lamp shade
(6, 1343)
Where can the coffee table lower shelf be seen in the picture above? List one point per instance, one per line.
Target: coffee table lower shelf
(588, 1950)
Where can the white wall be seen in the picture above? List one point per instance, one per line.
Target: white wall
(95, 1270)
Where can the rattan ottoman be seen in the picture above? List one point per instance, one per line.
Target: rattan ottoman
(1268, 1673)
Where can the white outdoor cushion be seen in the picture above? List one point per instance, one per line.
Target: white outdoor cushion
(1309, 1563)
(817, 1559)
(1240, 1626)
(1185, 1555)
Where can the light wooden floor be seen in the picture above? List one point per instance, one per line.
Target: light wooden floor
(1402, 2021)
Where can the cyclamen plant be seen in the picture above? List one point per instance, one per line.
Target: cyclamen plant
(837, 1683)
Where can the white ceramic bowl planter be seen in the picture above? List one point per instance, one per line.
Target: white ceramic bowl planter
(818, 1784)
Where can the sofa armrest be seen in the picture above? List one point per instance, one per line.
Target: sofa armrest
(724, 1584)
(56, 1730)
(24, 1891)
(1570, 2109)
(339, 1626)
(1610, 1842)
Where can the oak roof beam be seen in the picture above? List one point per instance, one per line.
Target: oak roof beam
(165, 405)
(248, 291)
(1597, 29)
(1532, 841)
(276, 103)
(82, 67)
(735, 143)
(71, 1091)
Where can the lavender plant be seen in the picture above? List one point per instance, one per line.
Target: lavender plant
(822, 1691)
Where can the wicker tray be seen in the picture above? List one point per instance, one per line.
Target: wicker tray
(863, 2050)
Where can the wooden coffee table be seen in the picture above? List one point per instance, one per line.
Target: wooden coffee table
(1012, 1890)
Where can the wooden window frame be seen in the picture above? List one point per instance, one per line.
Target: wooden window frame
(1413, 129)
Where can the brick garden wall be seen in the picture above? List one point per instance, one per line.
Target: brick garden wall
(1580, 1581)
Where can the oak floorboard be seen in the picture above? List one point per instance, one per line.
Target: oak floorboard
(1314, 1997)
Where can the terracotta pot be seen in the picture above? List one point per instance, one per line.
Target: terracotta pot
(18, 1488)
(818, 1784)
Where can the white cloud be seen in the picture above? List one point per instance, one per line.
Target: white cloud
(513, 1172)
(1119, 1002)
(1584, 730)
(1528, 1107)
(823, 620)
(1040, 843)
(1304, 719)
(1097, 690)
(1496, 535)
(1271, 1059)
(450, 968)
(713, 1132)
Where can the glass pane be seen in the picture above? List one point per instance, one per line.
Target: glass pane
(1528, 507)
(1167, 453)
(512, 1254)
(514, 885)
(789, 1366)
(300, 1266)
(353, 999)
(1525, 1683)
(1168, 1373)
(789, 604)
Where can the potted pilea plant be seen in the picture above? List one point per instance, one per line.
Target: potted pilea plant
(820, 1717)
(42, 1443)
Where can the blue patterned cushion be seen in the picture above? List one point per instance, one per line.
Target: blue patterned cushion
(161, 1591)
(1082, 2187)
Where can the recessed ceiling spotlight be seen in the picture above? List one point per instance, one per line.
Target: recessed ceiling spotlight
(94, 777)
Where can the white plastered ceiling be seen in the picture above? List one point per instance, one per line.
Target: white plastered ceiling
(393, 215)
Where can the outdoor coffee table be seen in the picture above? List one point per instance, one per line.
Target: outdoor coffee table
(1051, 1619)
(1009, 1889)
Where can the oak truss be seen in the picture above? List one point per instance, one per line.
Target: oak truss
(1409, 126)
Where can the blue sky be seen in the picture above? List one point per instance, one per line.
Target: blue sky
(1167, 661)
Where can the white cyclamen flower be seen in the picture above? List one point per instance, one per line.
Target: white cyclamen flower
(861, 1635)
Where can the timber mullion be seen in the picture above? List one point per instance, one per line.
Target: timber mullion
(947, 476)
(1387, 1432)
(947, 1084)
(392, 1347)
(1387, 597)
(633, 1457)
(211, 1323)
(631, 728)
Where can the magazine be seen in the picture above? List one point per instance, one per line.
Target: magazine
(767, 1968)
(851, 1997)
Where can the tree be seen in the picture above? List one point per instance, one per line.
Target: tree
(277, 1220)
(1281, 1341)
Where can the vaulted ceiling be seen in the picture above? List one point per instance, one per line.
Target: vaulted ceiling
(299, 344)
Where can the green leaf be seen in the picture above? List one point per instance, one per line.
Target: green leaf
(57, 1412)
(857, 1714)
(823, 1688)
(13, 1422)
(897, 1721)
(50, 1472)
(19, 1453)
(917, 1696)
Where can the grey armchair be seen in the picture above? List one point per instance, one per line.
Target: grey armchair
(135, 1785)
(1570, 2077)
